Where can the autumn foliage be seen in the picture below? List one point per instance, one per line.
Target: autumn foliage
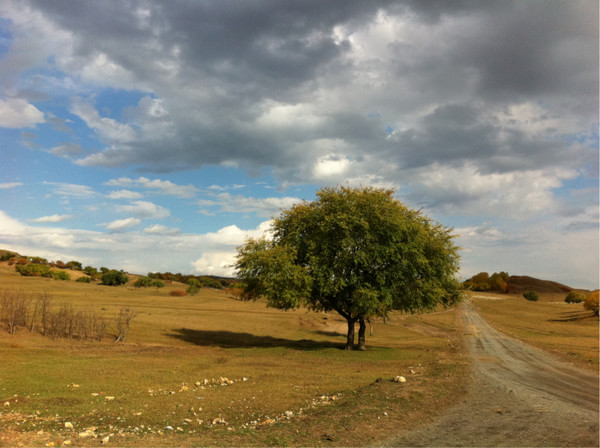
(498, 281)
(591, 303)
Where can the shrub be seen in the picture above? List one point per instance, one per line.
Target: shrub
(84, 280)
(91, 271)
(194, 286)
(8, 255)
(193, 289)
(34, 270)
(178, 293)
(143, 282)
(14, 310)
(114, 278)
(157, 283)
(575, 297)
(531, 296)
(591, 303)
(61, 275)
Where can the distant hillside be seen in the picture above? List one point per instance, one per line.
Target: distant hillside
(522, 283)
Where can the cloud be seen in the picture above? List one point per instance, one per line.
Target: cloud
(215, 263)
(162, 186)
(158, 229)
(7, 185)
(263, 207)
(120, 225)
(155, 248)
(325, 94)
(144, 210)
(465, 190)
(17, 113)
(52, 218)
(107, 129)
(68, 150)
(125, 194)
(71, 190)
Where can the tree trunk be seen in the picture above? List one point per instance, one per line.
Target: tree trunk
(350, 336)
(361, 334)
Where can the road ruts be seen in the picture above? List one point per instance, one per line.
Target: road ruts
(520, 397)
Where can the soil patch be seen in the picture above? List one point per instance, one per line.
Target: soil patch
(520, 396)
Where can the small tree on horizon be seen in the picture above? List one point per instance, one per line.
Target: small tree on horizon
(356, 251)
(114, 278)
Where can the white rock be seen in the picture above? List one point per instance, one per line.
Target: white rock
(289, 414)
(105, 440)
(399, 379)
(68, 425)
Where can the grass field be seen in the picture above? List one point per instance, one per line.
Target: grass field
(211, 370)
(566, 330)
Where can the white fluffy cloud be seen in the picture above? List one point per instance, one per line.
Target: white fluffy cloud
(17, 113)
(160, 186)
(144, 210)
(156, 247)
(125, 194)
(52, 218)
(263, 207)
(122, 224)
(108, 129)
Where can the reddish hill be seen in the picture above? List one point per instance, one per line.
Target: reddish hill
(522, 283)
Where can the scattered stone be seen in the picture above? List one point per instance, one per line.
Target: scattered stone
(399, 379)
(219, 421)
(50, 444)
(109, 398)
(411, 371)
(66, 443)
(170, 428)
(105, 440)
(95, 394)
(289, 414)
(73, 385)
(244, 379)
(68, 425)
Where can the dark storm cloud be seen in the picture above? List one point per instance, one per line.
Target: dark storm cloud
(282, 83)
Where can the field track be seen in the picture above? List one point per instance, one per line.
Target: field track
(520, 396)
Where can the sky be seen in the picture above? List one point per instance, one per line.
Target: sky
(157, 136)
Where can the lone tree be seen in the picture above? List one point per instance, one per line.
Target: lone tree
(356, 251)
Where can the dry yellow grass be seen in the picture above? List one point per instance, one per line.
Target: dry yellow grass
(292, 362)
(566, 330)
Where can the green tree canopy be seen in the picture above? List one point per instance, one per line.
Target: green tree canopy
(114, 278)
(356, 251)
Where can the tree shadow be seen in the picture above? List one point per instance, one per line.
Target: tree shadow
(334, 334)
(229, 339)
(572, 316)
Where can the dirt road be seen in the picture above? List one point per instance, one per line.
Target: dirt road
(520, 396)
